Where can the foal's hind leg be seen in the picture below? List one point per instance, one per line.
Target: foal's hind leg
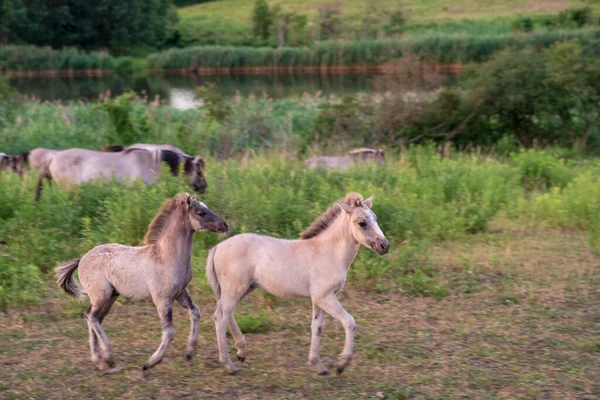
(94, 342)
(165, 313)
(238, 339)
(223, 314)
(236, 332)
(185, 300)
(95, 315)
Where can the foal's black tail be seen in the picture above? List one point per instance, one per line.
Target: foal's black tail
(64, 277)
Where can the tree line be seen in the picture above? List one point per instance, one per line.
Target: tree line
(118, 26)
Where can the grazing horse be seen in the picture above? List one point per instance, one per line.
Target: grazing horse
(363, 155)
(314, 267)
(159, 271)
(76, 166)
(192, 165)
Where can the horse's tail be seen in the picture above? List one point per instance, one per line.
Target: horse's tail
(113, 148)
(44, 173)
(211, 275)
(64, 277)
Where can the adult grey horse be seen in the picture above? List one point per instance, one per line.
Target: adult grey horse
(191, 163)
(313, 267)
(362, 155)
(159, 271)
(76, 166)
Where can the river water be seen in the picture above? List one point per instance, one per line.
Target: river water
(178, 90)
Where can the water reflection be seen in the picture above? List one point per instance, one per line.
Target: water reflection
(179, 90)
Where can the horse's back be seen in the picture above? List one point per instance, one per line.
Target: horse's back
(117, 267)
(279, 266)
(81, 165)
(327, 162)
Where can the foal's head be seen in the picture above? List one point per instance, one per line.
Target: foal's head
(186, 207)
(202, 218)
(363, 223)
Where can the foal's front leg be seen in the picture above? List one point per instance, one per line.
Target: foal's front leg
(165, 313)
(332, 306)
(185, 300)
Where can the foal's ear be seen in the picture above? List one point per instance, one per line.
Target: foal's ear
(345, 206)
(369, 202)
(189, 199)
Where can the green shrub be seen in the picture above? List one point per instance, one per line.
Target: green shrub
(539, 168)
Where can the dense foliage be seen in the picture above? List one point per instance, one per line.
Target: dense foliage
(119, 26)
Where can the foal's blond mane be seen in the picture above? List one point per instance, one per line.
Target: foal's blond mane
(158, 224)
(327, 218)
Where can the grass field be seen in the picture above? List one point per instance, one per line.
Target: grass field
(491, 288)
(526, 328)
(229, 21)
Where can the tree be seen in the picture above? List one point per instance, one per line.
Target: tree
(88, 24)
(513, 95)
(577, 77)
(262, 19)
(330, 21)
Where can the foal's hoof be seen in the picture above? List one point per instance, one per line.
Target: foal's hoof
(340, 369)
(324, 373)
(147, 365)
(241, 359)
(188, 357)
(232, 371)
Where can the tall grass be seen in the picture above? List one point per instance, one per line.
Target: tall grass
(420, 197)
(427, 199)
(444, 49)
(31, 58)
(439, 48)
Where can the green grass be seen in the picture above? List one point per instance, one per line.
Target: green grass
(490, 290)
(229, 21)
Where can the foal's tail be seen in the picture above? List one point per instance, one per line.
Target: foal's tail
(64, 277)
(211, 275)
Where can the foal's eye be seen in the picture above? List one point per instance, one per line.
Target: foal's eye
(201, 213)
(362, 224)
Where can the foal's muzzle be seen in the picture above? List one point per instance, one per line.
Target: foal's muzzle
(382, 246)
(224, 228)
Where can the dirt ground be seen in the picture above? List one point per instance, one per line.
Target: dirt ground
(522, 322)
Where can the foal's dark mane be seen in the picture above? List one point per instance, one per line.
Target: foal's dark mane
(158, 224)
(327, 218)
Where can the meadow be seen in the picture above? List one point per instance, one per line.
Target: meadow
(229, 22)
(491, 288)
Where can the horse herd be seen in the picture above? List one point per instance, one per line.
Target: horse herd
(75, 166)
(141, 161)
(314, 266)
